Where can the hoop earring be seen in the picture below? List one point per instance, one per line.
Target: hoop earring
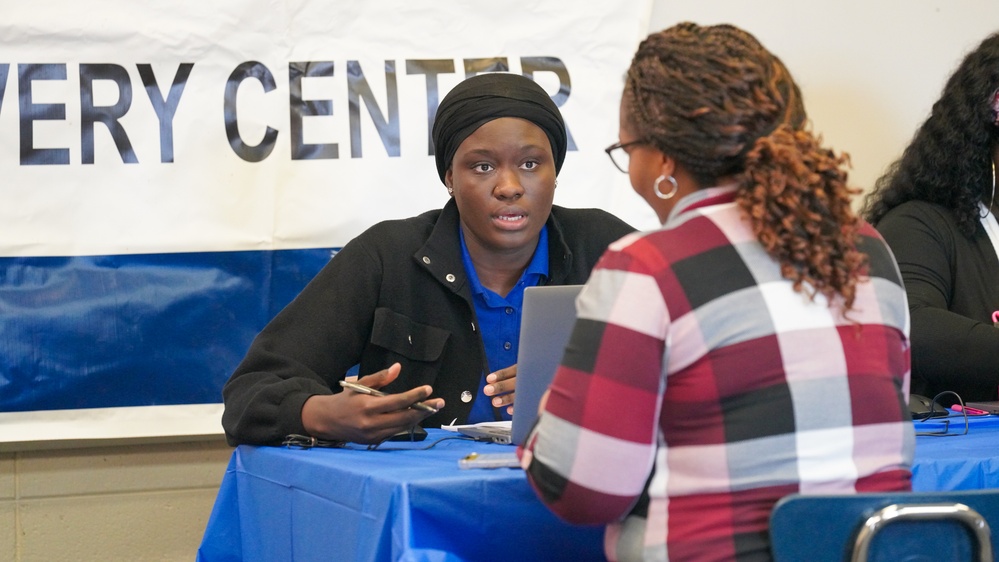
(660, 194)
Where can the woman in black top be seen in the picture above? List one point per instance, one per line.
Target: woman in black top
(936, 208)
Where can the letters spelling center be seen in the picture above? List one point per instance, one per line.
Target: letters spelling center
(358, 90)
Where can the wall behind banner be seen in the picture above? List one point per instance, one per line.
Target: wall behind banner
(869, 71)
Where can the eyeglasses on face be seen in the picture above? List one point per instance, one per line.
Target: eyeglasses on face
(619, 155)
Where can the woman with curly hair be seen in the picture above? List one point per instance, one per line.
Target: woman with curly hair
(754, 346)
(936, 209)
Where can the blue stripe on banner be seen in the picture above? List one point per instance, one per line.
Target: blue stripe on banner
(137, 330)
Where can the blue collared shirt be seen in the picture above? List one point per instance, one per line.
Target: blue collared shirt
(499, 320)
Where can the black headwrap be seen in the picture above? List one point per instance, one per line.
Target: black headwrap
(484, 97)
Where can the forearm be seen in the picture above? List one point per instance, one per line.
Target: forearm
(950, 350)
(261, 409)
(300, 353)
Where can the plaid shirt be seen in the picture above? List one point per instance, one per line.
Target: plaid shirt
(698, 388)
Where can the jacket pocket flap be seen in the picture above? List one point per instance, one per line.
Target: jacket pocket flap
(399, 334)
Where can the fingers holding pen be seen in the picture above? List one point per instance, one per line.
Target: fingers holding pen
(416, 398)
(362, 413)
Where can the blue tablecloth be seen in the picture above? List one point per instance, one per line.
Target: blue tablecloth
(279, 503)
(957, 462)
(411, 505)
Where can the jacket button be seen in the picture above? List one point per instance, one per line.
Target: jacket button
(449, 277)
(426, 260)
(466, 396)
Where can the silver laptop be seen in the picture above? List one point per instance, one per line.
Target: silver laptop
(549, 314)
(545, 327)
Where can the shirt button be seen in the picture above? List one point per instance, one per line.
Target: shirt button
(466, 396)
(426, 260)
(449, 277)
(507, 346)
(509, 310)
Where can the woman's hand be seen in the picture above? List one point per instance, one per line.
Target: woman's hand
(364, 418)
(500, 385)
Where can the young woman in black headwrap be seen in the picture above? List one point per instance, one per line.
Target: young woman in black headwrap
(430, 304)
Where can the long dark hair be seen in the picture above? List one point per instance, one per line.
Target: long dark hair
(718, 102)
(949, 161)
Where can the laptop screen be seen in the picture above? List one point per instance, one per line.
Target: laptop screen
(549, 315)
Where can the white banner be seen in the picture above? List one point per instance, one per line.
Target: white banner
(172, 173)
(147, 127)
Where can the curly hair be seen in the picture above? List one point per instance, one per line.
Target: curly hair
(714, 99)
(949, 160)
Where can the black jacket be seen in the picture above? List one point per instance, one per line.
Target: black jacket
(396, 293)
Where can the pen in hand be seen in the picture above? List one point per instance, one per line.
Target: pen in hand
(368, 390)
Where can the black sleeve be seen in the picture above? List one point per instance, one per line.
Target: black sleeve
(950, 350)
(303, 351)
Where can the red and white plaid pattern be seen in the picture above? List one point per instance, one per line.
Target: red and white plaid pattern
(698, 388)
